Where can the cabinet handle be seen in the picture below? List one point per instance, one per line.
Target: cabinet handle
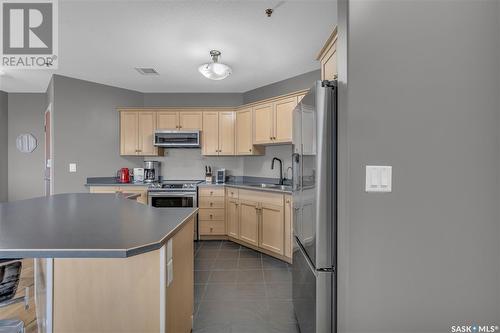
(250, 150)
(211, 192)
(211, 229)
(211, 216)
(211, 204)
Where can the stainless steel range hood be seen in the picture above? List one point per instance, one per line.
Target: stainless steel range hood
(177, 139)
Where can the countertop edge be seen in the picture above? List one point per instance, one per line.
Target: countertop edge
(94, 253)
(247, 187)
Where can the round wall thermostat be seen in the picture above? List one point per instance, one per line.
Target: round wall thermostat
(26, 143)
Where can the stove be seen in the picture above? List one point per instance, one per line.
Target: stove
(175, 186)
(175, 193)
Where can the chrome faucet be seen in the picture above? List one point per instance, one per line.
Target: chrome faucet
(281, 168)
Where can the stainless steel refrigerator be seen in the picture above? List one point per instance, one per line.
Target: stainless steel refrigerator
(314, 164)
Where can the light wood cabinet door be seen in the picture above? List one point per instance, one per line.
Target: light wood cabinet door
(249, 222)
(244, 142)
(263, 124)
(272, 228)
(168, 120)
(190, 120)
(283, 111)
(128, 133)
(232, 219)
(288, 226)
(226, 133)
(147, 126)
(210, 133)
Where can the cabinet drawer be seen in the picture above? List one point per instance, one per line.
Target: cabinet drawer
(211, 191)
(212, 227)
(261, 196)
(211, 202)
(211, 214)
(232, 193)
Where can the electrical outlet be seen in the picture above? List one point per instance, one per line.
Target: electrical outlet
(72, 167)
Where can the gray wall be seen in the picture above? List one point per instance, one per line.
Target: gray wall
(190, 164)
(3, 147)
(424, 99)
(86, 131)
(303, 81)
(193, 99)
(260, 166)
(26, 170)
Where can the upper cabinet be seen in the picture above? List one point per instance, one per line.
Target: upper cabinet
(243, 132)
(218, 133)
(328, 57)
(136, 133)
(283, 122)
(179, 120)
(225, 131)
(263, 123)
(190, 120)
(273, 121)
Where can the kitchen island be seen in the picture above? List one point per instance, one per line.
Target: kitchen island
(104, 263)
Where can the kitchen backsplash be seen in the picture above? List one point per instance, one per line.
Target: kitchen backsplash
(190, 164)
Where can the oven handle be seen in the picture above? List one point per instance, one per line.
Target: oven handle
(171, 194)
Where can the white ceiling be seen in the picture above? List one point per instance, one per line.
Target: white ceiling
(102, 41)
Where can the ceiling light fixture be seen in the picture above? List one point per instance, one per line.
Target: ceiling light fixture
(215, 70)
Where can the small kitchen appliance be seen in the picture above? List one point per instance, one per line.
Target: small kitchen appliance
(151, 171)
(123, 175)
(221, 176)
(177, 139)
(138, 175)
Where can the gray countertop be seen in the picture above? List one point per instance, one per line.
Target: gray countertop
(85, 226)
(110, 181)
(248, 186)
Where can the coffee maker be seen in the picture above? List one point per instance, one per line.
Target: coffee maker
(151, 171)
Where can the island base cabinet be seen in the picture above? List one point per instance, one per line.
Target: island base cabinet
(180, 291)
(133, 294)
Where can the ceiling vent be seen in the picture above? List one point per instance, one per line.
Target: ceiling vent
(147, 71)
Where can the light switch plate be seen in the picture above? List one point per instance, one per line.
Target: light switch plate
(72, 167)
(378, 178)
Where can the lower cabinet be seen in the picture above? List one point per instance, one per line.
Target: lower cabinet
(260, 220)
(272, 228)
(232, 212)
(249, 222)
(211, 214)
(142, 190)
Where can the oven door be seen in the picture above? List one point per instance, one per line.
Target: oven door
(172, 199)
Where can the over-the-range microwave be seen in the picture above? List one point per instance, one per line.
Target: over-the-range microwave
(177, 139)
